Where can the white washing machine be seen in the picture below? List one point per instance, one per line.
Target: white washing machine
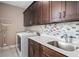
(22, 42)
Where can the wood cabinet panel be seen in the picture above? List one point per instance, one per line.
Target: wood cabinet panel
(77, 10)
(34, 50)
(70, 10)
(34, 13)
(55, 11)
(51, 53)
(63, 10)
(30, 48)
(38, 12)
(28, 17)
(46, 12)
(38, 50)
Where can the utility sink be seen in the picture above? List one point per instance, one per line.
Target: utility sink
(63, 45)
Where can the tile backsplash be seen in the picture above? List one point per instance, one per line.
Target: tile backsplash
(59, 29)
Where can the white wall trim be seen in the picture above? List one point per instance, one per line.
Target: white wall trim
(12, 46)
(7, 47)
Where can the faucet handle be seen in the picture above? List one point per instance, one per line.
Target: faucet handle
(62, 36)
(38, 33)
(72, 37)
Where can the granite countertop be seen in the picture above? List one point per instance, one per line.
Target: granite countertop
(44, 41)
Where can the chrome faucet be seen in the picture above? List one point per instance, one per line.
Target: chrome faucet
(66, 37)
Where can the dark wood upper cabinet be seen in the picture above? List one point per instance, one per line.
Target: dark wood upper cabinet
(55, 11)
(38, 12)
(45, 12)
(78, 10)
(25, 19)
(34, 11)
(71, 10)
(28, 18)
(63, 10)
(41, 13)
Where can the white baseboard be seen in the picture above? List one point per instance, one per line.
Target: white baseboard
(12, 46)
(7, 47)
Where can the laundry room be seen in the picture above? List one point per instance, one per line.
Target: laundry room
(39, 28)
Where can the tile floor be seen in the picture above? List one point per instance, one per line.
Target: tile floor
(8, 52)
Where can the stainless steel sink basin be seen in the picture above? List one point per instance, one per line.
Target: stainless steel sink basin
(63, 45)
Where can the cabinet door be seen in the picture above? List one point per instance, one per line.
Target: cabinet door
(78, 10)
(63, 10)
(45, 12)
(36, 49)
(70, 10)
(38, 12)
(50, 53)
(55, 11)
(33, 49)
(26, 21)
(35, 13)
(28, 17)
(30, 48)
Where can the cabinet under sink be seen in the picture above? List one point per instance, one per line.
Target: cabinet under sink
(38, 50)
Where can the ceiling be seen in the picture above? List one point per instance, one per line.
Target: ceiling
(21, 4)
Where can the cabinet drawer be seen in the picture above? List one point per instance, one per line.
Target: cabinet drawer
(51, 53)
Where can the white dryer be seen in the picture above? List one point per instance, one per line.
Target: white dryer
(22, 42)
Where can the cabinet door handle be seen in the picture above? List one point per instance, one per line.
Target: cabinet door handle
(64, 13)
(60, 15)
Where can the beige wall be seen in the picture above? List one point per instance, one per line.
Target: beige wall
(13, 19)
